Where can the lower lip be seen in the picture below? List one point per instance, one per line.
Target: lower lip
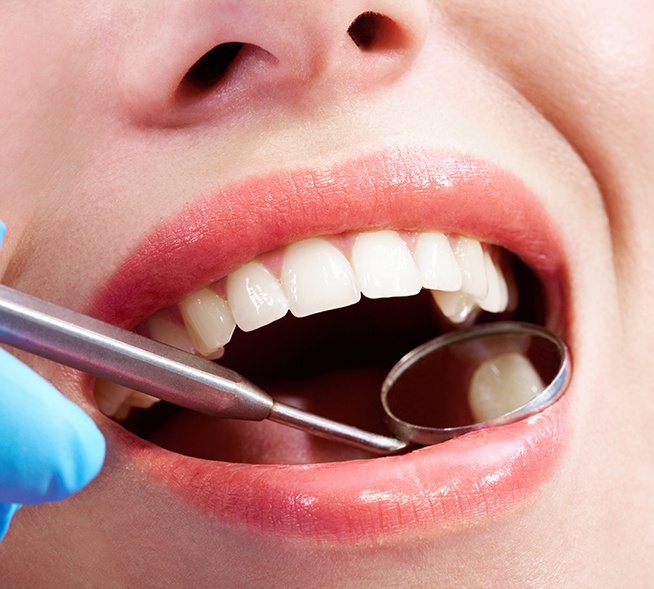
(459, 483)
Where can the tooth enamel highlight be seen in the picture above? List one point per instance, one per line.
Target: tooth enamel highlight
(436, 262)
(503, 384)
(457, 306)
(384, 266)
(168, 332)
(470, 257)
(255, 297)
(208, 319)
(317, 277)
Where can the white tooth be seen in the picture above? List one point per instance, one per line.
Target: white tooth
(115, 400)
(470, 257)
(317, 277)
(110, 397)
(493, 301)
(457, 306)
(384, 266)
(503, 384)
(436, 262)
(208, 320)
(255, 297)
(169, 332)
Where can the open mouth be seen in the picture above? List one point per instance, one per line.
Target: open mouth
(325, 242)
(318, 324)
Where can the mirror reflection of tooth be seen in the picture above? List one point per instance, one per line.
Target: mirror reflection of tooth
(384, 266)
(502, 384)
(470, 256)
(255, 297)
(457, 306)
(208, 320)
(435, 260)
(168, 332)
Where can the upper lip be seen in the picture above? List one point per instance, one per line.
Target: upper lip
(408, 189)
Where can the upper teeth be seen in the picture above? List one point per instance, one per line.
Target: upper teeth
(320, 274)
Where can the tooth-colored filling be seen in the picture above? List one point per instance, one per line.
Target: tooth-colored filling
(502, 384)
(320, 274)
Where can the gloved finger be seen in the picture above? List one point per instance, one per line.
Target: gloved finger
(7, 510)
(49, 448)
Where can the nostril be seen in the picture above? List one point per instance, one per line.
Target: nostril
(372, 31)
(207, 71)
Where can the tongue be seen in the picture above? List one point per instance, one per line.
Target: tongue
(350, 396)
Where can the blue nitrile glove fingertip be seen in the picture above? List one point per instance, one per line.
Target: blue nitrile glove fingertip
(49, 448)
(7, 511)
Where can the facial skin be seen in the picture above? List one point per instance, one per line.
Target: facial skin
(102, 139)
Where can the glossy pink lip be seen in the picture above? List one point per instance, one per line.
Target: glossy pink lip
(442, 486)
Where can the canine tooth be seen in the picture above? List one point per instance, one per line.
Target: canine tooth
(502, 384)
(493, 302)
(317, 277)
(457, 306)
(436, 262)
(255, 297)
(470, 257)
(168, 332)
(208, 320)
(384, 266)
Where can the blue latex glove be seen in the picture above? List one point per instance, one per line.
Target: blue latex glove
(49, 448)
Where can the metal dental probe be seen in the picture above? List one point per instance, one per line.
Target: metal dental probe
(126, 358)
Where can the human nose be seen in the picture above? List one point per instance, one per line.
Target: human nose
(190, 59)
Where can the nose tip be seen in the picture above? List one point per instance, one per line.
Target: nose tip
(195, 52)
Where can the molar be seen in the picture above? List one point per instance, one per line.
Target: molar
(384, 266)
(317, 277)
(117, 401)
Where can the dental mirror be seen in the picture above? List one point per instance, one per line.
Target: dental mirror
(475, 378)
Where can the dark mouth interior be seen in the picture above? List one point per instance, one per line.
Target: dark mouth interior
(332, 364)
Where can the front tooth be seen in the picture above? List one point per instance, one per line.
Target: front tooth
(457, 306)
(503, 384)
(208, 320)
(255, 297)
(384, 266)
(470, 257)
(436, 262)
(317, 277)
